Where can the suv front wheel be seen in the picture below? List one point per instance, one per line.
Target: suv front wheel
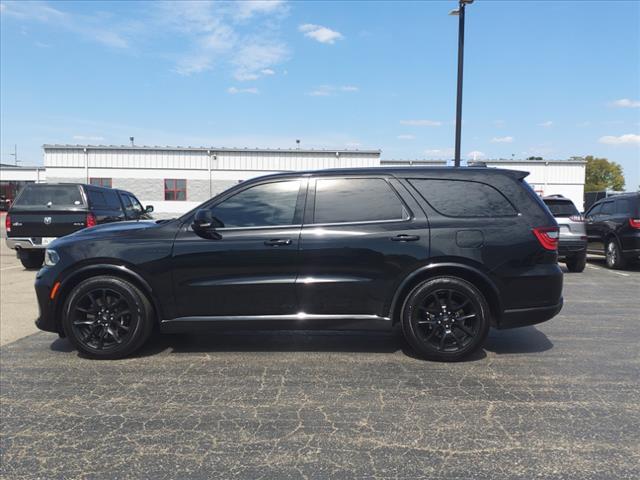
(107, 317)
(445, 318)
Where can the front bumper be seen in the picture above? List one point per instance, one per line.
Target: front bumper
(520, 317)
(47, 307)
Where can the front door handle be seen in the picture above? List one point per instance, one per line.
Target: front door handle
(405, 238)
(277, 242)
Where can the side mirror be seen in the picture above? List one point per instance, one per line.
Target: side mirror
(148, 209)
(205, 224)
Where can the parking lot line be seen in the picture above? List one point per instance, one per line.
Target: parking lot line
(593, 267)
(10, 268)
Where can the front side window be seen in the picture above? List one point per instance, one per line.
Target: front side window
(464, 198)
(607, 208)
(175, 189)
(345, 200)
(100, 182)
(131, 205)
(266, 205)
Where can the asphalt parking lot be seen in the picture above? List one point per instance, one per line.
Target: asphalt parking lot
(559, 400)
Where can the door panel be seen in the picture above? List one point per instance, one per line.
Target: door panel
(239, 274)
(353, 268)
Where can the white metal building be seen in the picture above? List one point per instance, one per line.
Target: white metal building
(176, 179)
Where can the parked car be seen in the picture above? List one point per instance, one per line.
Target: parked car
(613, 229)
(572, 246)
(43, 212)
(444, 253)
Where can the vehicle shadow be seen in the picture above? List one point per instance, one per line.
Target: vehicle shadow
(516, 341)
(601, 262)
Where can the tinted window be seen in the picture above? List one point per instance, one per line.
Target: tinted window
(561, 208)
(607, 208)
(263, 205)
(340, 200)
(461, 198)
(595, 210)
(38, 196)
(623, 206)
(112, 199)
(131, 205)
(135, 204)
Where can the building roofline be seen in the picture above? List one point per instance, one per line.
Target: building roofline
(205, 149)
(525, 161)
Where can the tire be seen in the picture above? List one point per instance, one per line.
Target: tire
(613, 255)
(32, 259)
(438, 311)
(107, 318)
(577, 263)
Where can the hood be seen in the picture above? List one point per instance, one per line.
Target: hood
(115, 228)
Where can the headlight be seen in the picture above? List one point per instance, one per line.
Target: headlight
(51, 257)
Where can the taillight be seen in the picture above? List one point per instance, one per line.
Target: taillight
(91, 220)
(547, 236)
(633, 222)
(576, 218)
(7, 223)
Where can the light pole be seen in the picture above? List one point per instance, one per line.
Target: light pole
(460, 13)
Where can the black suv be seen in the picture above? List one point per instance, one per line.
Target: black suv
(613, 229)
(43, 212)
(443, 252)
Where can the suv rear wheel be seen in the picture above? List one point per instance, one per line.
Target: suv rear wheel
(613, 254)
(31, 259)
(107, 317)
(445, 318)
(576, 263)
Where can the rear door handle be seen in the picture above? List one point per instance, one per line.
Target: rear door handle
(405, 238)
(277, 242)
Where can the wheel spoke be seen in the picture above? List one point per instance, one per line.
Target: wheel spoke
(455, 339)
(101, 339)
(427, 310)
(466, 317)
(442, 339)
(122, 313)
(84, 322)
(427, 322)
(464, 329)
(114, 335)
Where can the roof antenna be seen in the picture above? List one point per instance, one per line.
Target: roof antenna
(298, 144)
(131, 140)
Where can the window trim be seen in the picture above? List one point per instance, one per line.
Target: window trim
(517, 213)
(175, 189)
(310, 210)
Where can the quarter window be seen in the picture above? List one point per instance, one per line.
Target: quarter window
(607, 208)
(623, 206)
(265, 205)
(175, 189)
(344, 200)
(463, 198)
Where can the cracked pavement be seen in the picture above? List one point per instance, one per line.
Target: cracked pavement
(558, 400)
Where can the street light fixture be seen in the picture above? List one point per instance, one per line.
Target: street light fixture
(459, 12)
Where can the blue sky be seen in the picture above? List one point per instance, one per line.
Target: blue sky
(551, 78)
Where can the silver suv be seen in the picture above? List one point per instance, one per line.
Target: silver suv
(572, 247)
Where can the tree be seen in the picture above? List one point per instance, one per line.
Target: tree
(602, 174)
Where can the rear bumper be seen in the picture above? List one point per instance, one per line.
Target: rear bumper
(25, 243)
(571, 247)
(519, 317)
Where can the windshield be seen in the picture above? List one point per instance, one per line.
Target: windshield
(41, 196)
(561, 208)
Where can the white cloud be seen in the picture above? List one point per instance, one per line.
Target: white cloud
(546, 124)
(475, 154)
(439, 153)
(235, 90)
(252, 58)
(320, 33)
(502, 139)
(88, 138)
(627, 139)
(625, 103)
(267, 71)
(248, 8)
(406, 137)
(421, 123)
(91, 27)
(328, 90)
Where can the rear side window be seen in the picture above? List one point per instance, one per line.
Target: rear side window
(607, 208)
(36, 196)
(103, 199)
(463, 198)
(561, 208)
(344, 200)
(623, 206)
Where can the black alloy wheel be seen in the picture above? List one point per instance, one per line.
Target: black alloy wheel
(107, 317)
(446, 318)
(613, 256)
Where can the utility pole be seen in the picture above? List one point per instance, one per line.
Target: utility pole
(460, 13)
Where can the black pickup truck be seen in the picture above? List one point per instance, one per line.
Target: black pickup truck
(43, 212)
